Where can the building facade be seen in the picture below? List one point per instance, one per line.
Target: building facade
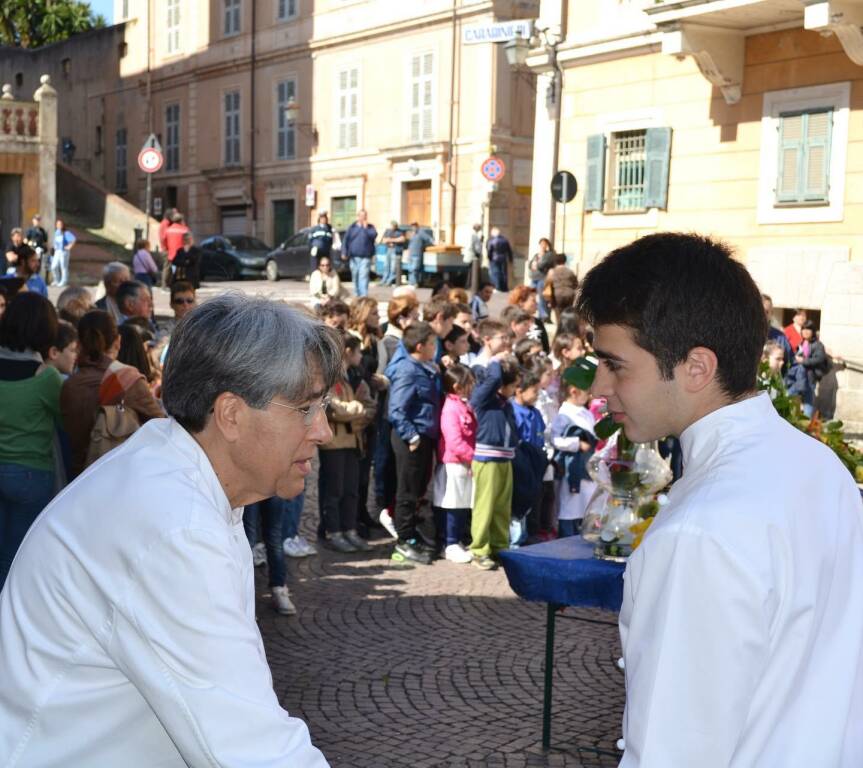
(740, 120)
(398, 106)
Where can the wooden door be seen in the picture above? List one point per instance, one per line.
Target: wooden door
(418, 203)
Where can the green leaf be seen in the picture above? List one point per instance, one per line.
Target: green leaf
(581, 373)
(606, 427)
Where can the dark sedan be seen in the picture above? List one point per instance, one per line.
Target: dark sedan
(232, 257)
(293, 258)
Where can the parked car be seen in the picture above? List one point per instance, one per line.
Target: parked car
(231, 257)
(437, 264)
(292, 259)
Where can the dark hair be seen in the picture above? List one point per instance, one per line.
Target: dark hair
(142, 326)
(440, 288)
(66, 334)
(439, 305)
(181, 286)
(483, 284)
(462, 308)
(335, 307)
(457, 375)
(523, 347)
(809, 325)
(129, 289)
(674, 291)
(509, 370)
(97, 331)
(455, 334)
(561, 342)
(514, 314)
(569, 321)
(528, 377)
(416, 334)
(29, 322)
(132, 350)
(352, 342)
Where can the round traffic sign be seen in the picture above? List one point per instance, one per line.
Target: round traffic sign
(493, 168)
(563, 186)
(149, 160)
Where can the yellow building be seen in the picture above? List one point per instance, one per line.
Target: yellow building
(742, 119)
(398, 104)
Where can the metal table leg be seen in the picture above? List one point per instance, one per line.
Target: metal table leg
(549, 669)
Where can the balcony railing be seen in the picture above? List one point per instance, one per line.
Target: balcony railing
(19, 120)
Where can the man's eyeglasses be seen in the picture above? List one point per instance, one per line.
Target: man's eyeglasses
(310, 413)
(184, 301)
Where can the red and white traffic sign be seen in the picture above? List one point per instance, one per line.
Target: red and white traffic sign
(150, 160)
(493, 168)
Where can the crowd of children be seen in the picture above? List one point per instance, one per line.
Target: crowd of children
(476, 441)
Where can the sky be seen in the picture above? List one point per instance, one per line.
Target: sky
(105, 7)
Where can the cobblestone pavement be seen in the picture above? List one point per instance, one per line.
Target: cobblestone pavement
(439, 665)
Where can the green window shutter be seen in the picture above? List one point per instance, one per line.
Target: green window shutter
(790, 161)
(657, 150)
(819, 127)
(595, 181)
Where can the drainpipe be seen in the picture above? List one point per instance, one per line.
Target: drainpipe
(253, 129)
(451, 163)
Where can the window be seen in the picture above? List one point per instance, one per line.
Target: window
(172, 137)
(121, 160)
(232, 128)
(804, 157)
(286, 9)
(421, 97)
(97, 148)
(232, 17)
(173, 26)
(285, 131)
(637, 163)
(626, 171)
(344, 212)
(804, 144)
(348, 109)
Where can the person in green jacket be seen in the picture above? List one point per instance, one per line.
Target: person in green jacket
(29, 412)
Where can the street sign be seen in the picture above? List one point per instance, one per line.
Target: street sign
(493, 168)
(310, 196)
(157, 206)
(497, 33)
(150, 157)
(563, 186)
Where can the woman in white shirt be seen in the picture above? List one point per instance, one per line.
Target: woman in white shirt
(324, 284)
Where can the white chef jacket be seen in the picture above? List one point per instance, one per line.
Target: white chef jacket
(742, 617)
(127, 625)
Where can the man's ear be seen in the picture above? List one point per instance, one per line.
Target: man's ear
(698, 370)
(53, 354)
(229, 414)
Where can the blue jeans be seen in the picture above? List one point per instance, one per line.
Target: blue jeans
(567, 528)
(391, 266)
(24, 493)
(293, 510)
(497, 275)
(270, 512)
(361, 267)
(538, 285)
(416, 269)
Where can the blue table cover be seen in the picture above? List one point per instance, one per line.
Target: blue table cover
(564, 572)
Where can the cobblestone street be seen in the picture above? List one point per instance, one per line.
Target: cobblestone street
(438, 665)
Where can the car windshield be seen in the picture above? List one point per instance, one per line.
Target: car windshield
(248, 243)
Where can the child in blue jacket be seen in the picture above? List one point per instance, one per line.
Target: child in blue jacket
(414, 412)
(496, 440)
(530, 457)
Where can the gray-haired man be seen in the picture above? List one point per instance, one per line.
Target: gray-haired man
(138, 645)
(114, 274)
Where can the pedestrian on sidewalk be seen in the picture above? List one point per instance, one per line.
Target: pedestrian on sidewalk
(414, 412)
(358, 247)
(500, 259)
(64, 241)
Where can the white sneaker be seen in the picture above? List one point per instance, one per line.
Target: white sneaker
(292, 548)
(456, 553)
(386, 521)
(282, 601)
(305, 547)
(259, 554)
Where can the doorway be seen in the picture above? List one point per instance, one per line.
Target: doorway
(11, 215)
(417, 202)
(283, 221)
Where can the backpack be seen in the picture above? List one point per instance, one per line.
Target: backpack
(113, 426)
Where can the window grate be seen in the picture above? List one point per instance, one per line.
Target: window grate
(627, 154)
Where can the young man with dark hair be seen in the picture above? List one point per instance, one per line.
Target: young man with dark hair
(742, 618)
(335, 314)
(414, 412)
(440, 314)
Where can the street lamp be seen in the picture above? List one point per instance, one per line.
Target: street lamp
(516, 51)
(292, 116)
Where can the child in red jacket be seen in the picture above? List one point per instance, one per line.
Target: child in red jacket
(453, 482)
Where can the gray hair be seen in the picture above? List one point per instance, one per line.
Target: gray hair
(255, 348)
(74, 293)
(113, 268)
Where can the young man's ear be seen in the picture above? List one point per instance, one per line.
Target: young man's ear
(699, 369)
(53, 354)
